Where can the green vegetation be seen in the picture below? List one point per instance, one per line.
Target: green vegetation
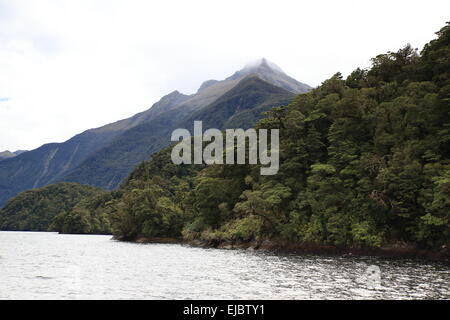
(105, 156)
(240, 106)
(64, 207)
(364, 162)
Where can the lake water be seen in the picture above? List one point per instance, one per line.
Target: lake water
(53, 266)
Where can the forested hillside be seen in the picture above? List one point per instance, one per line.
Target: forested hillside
(51, 208)
(365, 161)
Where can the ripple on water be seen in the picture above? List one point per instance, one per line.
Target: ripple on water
(51, 266)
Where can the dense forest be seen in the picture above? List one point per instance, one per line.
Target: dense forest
(364, 161)
(56, 208)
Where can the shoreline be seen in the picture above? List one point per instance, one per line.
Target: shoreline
(398, 251)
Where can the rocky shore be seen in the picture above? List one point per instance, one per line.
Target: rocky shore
(394, 251)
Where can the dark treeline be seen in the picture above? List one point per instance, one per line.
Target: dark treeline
(364, 161)
(56, 208)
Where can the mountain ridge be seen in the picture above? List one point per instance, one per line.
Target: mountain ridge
(8, 154)
(56, 162)
(138, 143)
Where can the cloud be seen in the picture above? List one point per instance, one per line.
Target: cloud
(72, 65)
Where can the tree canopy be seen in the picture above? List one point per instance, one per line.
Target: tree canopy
(364, 161)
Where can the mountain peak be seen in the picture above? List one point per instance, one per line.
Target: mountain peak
(207, 84)
(7, 154)
(175, 93)
(262, 68)
(270, 72)
(262, 64)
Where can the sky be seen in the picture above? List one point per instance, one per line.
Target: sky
(70, 65)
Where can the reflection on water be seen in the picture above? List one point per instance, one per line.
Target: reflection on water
(52, 266)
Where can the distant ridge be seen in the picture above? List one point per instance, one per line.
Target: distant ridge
(104, 156)
(8, 154)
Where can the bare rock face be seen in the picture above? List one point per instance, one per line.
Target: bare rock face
(270, 72)
(207, 84)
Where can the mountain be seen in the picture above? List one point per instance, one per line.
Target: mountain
(273, 74)
(44, 165)
(241, 106)
(364, 167)
(8, 154)
(105, 155)
(50, 162)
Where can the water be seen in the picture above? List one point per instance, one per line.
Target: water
(53, 266)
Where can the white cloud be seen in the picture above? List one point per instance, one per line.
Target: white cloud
(67, 66)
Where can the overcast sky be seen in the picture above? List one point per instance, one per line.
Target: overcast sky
(70, 65)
